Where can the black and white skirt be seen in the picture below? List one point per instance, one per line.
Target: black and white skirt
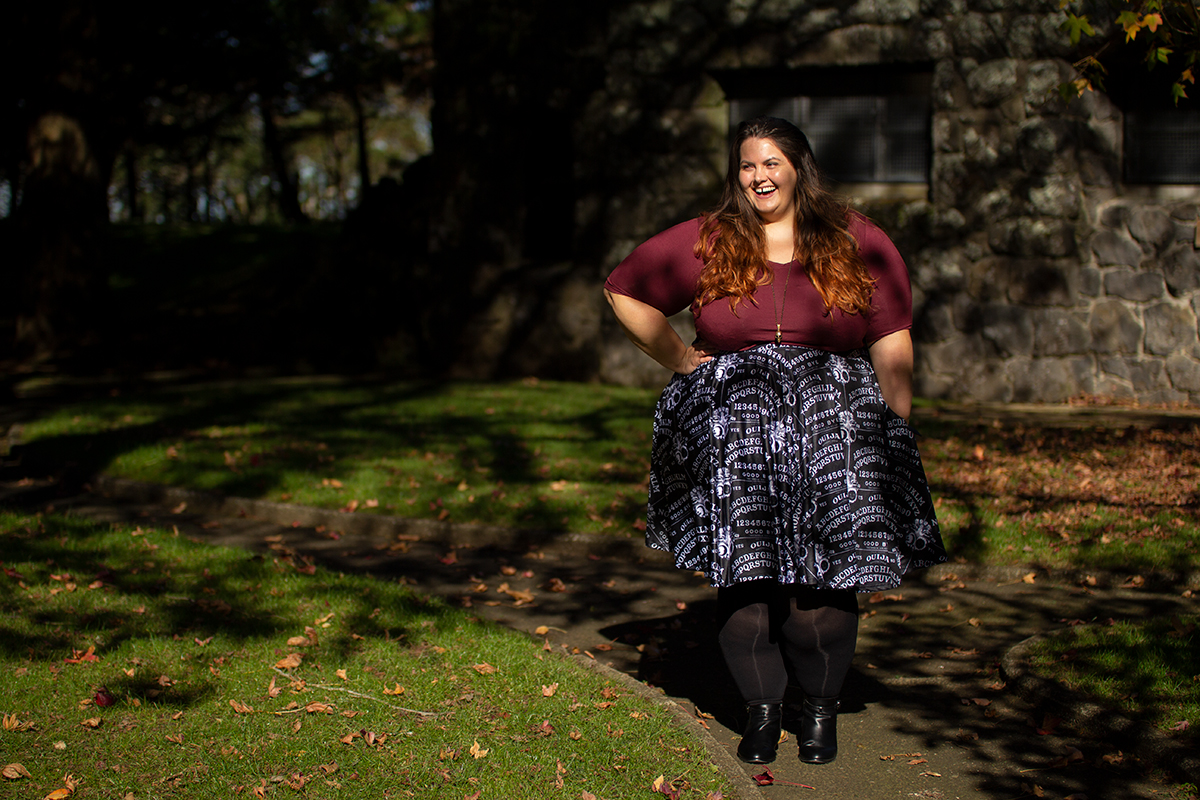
(784, 463)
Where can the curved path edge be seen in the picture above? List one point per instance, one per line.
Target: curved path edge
(733, 770)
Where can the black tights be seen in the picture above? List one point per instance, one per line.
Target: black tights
(762, 621)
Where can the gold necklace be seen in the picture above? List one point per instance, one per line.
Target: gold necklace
(779, 311)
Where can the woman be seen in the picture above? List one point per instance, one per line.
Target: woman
(782, 464)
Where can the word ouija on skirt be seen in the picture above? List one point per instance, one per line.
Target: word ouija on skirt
(784, 462)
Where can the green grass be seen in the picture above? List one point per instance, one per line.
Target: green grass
(1146, 669)
(554, 456)
(563, 456)
(188, 639)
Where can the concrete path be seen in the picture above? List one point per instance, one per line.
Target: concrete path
(926, 712)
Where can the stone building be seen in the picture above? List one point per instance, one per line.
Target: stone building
(1053, 246)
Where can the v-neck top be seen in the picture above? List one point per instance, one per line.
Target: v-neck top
(663, 272)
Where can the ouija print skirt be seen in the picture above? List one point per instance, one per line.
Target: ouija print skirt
(784, 463)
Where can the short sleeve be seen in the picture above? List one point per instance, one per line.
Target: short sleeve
(891, 302)
(663, 271)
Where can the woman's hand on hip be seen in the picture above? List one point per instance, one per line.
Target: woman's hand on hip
(697, 353)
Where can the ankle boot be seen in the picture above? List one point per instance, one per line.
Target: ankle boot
(818, 730)
(761, 738)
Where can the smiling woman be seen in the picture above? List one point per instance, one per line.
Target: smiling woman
(782, 464)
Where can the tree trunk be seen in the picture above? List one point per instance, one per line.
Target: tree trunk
(131, 186)
(281, 165)
(364, 162)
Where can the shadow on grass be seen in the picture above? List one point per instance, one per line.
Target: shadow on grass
(360, 425)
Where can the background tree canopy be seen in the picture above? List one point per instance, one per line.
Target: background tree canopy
(251, 111)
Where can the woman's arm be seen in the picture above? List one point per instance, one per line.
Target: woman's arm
(647, 327)
(892, 358)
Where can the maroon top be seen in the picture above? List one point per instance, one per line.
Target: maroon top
(662, 272)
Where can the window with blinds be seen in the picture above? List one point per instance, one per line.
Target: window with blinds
(882, 139)
(1162, 146)
(866, 124)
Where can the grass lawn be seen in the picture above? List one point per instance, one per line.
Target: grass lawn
(563, 456)
(574, 457)
(1148, 669)
(135, 663)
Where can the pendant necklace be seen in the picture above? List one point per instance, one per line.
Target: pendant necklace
(779, 311)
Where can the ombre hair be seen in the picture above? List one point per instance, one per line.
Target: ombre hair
(733, 242)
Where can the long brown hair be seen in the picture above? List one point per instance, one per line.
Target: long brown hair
(733, 242)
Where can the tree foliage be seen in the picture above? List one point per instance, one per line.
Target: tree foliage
(1166, 32)
(210, 95)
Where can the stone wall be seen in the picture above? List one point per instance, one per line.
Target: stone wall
(1037, 275)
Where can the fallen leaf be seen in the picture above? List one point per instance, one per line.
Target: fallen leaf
(548, 691)
(1049, 723)
(1182, 725)
(397, 691)
(477, 751)
(297, 641)
(91, 722)
(240, 707)
(272, 689)
(341, 673)
(484, 669)
(103, 697)
(541, 630)
(974, 622)
(15, 771)
(82, 657)
(291, 661)
(318, 708)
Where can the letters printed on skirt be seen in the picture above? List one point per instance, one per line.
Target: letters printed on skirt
(784, 463)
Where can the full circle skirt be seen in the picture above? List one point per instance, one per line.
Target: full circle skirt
(784, 463)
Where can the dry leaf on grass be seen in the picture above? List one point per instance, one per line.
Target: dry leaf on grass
(548, 691)
(240, 707)
(15, 771)
(399, 690)
(484, 668)
(290, 661)
(477, 751)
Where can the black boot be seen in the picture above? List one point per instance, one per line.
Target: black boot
(818, 730)
(761, 738)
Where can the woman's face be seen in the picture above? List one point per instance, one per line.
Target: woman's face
(768, 179)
